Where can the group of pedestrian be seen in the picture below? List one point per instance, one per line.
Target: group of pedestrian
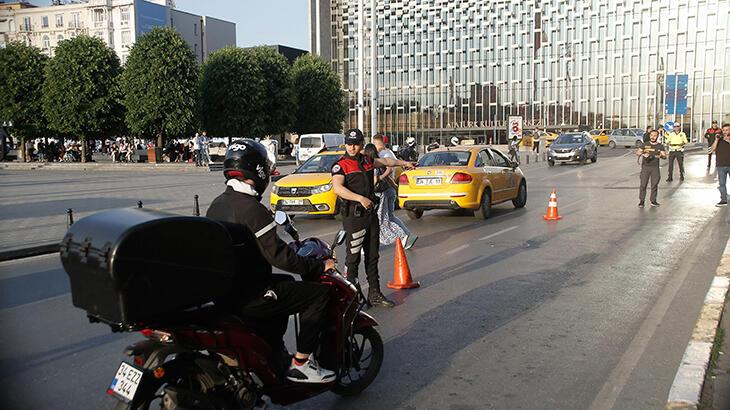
(672, 147)
(52, 150)
(195, 149)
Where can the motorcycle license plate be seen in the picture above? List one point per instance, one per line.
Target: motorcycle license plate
(428, 181)
(292, 202)
(125, 382)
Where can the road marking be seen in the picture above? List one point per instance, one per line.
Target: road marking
(457, 249)
(511, 228)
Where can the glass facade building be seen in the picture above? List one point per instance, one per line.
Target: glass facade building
(462, 67)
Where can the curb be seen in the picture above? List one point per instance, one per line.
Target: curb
(28, 252)
(687, 386)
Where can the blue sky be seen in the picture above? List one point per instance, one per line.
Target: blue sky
(257, 21)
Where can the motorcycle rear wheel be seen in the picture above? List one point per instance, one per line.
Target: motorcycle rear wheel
(368, 357)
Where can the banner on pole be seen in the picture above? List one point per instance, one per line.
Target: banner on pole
(675, 94)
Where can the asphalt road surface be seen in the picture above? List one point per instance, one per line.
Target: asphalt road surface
(592, 311)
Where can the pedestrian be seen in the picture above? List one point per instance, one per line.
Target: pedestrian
(513, 155)
(721, 149)
(711, 135)
(646, 135)
(196, 150)
(389, 230)
(676, 140)
(352, 178)
(388, 197)
(649, 155)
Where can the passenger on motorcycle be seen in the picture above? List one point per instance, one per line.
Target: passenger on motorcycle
(258, 294)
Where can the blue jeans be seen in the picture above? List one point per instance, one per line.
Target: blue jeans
(722, 175)
(389, 197)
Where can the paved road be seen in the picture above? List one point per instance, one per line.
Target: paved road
(593, 311)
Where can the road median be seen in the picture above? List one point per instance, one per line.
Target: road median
(28, 251)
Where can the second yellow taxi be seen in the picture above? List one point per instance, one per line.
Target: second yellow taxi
(308, 190)
(473, 177)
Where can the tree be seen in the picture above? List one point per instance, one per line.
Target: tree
(160, 85)
(231, 93)
(81, 95)
(21, 90)
(320, 101)
(278, 100)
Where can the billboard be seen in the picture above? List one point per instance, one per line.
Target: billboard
(149, 15)
(515, 127)
(675, 94)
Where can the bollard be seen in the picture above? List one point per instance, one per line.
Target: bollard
(196, 206)
(139, 204)
(527, 158)
(70, 219)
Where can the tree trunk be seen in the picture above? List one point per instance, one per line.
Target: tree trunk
(21, 148)
(84, 148)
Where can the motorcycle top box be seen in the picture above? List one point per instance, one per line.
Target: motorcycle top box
(135, 267)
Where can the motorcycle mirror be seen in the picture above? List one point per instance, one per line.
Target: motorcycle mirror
(340, 237)
(281, 218)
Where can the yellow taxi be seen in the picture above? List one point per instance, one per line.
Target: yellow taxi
(308, 190)
(601, 136)
(471, 177)
(549, 137)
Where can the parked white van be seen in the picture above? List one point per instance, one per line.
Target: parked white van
(311, 144)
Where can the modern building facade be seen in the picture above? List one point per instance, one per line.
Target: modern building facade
(118, 22)
(446, 67)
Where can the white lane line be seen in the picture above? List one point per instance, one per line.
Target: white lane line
(457, 249)
(511, 228)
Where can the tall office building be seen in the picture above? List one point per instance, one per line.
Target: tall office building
(447, 67)
(118, 22)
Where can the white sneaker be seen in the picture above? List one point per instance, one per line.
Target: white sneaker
(410, 241)
(309, 372)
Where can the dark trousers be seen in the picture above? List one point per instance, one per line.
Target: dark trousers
(198, 158)
(709, 160)
(363, 233)
(647, 173)
(679, 155)
(271, 317)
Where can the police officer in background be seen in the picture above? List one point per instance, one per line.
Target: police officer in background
(676, 140)
(353, 182)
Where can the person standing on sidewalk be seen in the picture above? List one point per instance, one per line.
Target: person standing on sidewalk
(352, 178)
(676, 140)
(711, 135)
(196, 150)
(650, 154)
(721, 148)
(390, 193)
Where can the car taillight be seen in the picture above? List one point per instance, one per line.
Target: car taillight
(461, 178)
(403, 179)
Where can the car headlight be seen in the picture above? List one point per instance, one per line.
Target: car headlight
(275, 189)
(321, 189)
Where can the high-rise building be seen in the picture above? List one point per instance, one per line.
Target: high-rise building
(118, 22)
(446, 67)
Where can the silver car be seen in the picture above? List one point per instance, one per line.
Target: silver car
(627, 137)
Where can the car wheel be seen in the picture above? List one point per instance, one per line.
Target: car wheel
(521, 199)
(414, 213)
(612, 144)
(551, 163)
(485, 206)
(583, 158)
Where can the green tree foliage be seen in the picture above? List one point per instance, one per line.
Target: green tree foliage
(81, 95)
(21, 89)
(320, 102)
(231, 93)
(160, 85)
(278, 100)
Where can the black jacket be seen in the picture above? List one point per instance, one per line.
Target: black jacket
(253, 231)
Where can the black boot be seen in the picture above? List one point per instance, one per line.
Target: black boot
(376, 298)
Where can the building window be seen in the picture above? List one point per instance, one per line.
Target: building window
(125, 15)
(75, 20)
(98, 15)
(46, 43)
(195, 29)
(59, 38)
(44, 21)
(59, 20)
(126, 37)
(26, 23)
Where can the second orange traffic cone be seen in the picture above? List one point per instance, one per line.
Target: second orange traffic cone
(552, 210)
(401, 273)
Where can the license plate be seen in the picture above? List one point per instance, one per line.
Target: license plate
(125, 382)
(428, 181)
(292, 202)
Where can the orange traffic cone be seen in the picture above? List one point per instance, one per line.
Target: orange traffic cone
(552, 210)
(401, 273)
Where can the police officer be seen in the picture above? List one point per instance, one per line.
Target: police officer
(257, 293)
(353, 181)
(676, 140)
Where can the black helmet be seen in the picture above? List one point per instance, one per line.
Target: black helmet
(248, 159)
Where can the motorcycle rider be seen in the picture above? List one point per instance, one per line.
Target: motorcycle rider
(258, 294)
(409, 153)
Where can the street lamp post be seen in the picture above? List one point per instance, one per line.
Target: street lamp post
(360, 63)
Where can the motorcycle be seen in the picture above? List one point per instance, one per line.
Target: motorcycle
(205, 357)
